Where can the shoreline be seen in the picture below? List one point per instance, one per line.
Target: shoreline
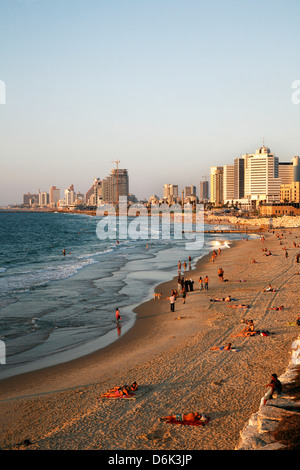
(107, 339)
(156, 345)
(141, 326)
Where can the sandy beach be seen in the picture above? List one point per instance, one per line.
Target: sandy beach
(168, 354)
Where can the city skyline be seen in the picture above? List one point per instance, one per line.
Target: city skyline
(168, 88)
(161, 193)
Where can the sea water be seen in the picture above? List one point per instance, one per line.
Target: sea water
(55, 307)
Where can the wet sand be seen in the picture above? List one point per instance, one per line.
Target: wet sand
(169, 356)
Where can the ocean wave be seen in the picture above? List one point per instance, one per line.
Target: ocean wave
(28, 280)
(96, 253)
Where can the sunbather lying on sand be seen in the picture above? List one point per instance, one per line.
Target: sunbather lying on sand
(239, 306)
(276, 308)
(223, 348)
(269, 289)
(246, 333)
(224, 299)
(125, 390)
(186, 418)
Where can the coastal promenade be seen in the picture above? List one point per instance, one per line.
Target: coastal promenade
(169, 355)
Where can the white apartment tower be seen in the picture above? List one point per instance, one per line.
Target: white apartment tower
(70, 195)
(228, 183)
(262, 182)
(216, 184)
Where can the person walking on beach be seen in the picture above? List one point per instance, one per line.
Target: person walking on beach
(274, 386)
(220, 274)
(172, 302)
(206, 281)
(118, 316)
(200, 283)
(184, 295)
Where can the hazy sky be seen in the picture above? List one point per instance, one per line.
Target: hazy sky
(168, 87)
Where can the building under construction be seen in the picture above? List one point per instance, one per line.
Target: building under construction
(115, 185)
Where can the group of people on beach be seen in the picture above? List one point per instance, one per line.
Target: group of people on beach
(184, 265)
(185, 285)
(203, 283)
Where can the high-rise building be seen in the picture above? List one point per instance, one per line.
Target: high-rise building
(216, 184)
(30, 199)
(204, 191)
(54, 196)
(70, 195)
(296, 166)
(190, 191)
(290, 181)
(262, 182)
(43, 199)
(115, 185)
(286, 172)
(239, 177)
(170, 193)
(93, 197)
(228, 183)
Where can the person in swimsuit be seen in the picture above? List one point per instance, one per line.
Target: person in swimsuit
(189, 417)
(118, 316)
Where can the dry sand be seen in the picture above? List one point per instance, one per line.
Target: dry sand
(169, 356)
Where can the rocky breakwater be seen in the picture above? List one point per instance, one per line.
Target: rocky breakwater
(276, 425)
(285, 221)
